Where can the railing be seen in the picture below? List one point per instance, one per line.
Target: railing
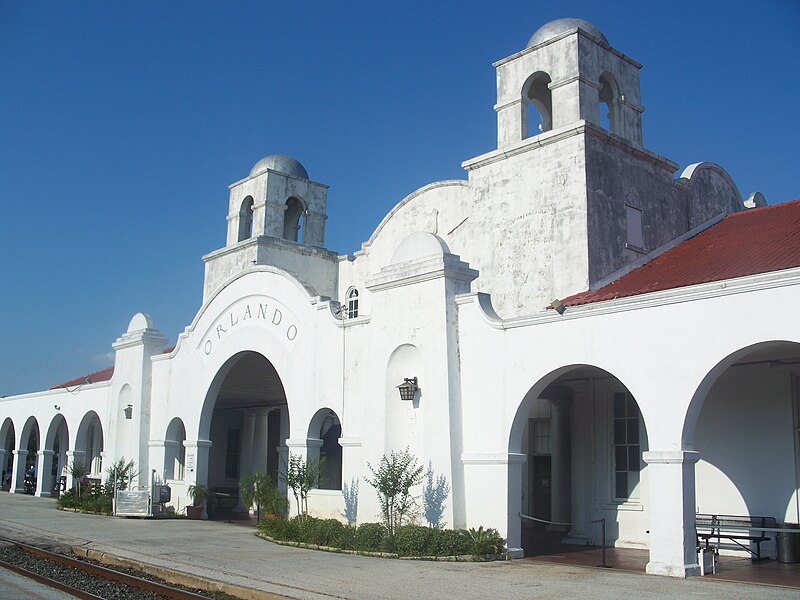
(602, 528)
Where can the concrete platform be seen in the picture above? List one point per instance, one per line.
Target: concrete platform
(231, 553)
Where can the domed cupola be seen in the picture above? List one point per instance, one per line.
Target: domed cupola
(553, 29)
(280, 163)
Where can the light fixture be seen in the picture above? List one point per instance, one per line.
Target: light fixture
(56, 406)
(408, 388)
(558, 306)
(128, 411)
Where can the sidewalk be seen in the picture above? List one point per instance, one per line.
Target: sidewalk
(231, 553)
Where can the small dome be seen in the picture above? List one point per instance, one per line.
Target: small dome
(419, 244)
(550, 30)
(139, 322)
(280, 163)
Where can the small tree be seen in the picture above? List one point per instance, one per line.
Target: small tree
(393, 480)
(434, 494)
(300, 476)
(120, 475)
(258, 489)
(78, 470)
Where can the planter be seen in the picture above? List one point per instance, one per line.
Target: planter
(194, 512)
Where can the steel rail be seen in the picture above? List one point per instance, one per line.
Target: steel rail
(103, 572)
(51, 583)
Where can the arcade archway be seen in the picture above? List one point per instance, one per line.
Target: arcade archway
(248, 428)
(582, 436)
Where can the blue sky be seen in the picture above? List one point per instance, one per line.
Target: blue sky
(122, 127)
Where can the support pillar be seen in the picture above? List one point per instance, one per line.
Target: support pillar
(197, 462)
(3, 466)
(672, 512)
(44, 473)
(258, 461)
(158, 457)
(18, 472)
(561, 510)
(248, 433)
(73, 456)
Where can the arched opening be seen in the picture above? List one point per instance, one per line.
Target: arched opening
(582, 436)
(609, 104)
(248, 427)
(89, 444)
(537, 105)
(294, 220)
(352, 303)
(7, 446)
(246, 219)
(744, 420)
(29, 442)
(55, 459)
(326, 428)
(175, 450)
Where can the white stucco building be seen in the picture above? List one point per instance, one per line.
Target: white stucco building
(666, 382)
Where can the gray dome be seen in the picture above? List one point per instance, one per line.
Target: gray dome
(550, 30)
(280, 163)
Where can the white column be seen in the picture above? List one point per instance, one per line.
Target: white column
(3, 466)
(248, 432)
(258, 462)
(18, 472)
(72, 457)
(562, 461)
(672, 512)
(197, 455)
(158, 456)
(44, 477)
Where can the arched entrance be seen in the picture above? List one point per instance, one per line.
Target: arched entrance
(581, 435)
(89, 444)
(7, 446)
(325, 430)
(54, 465)
(744, 421)
(246, 418)
(27, 460)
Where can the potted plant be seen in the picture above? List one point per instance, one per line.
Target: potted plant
(199, 493)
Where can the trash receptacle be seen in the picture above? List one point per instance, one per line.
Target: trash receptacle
(788, 543)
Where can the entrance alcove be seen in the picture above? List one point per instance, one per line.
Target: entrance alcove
(7, 446)
(248, 429)
(175, 450)
(326, 428)
(54, 465)
(582, 435)
(89, 444)
(745, 424)
(29, 444)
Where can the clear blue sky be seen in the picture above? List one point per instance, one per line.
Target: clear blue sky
(123, 125)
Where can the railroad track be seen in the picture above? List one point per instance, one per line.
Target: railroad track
(120, 579)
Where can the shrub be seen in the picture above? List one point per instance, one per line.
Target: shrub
(370, 537)
(273, 527)
(99, 503)
(326, 532)
(483, 541)
(393, 480)
(347, 538)
(305, 528)
(452, 543)
(415, 540)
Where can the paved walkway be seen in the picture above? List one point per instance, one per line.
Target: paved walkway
(232, 553)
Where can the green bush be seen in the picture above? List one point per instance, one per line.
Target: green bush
(415, 540)
(483, 541)
(273, 527)
(347, 538)
(370, 537)
(326, 532)
(452, 543)
(98, 502)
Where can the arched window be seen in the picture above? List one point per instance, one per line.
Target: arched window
(537, 110)
(609, 104)
(352, 303)
(325, 426)
(293, 220)
(246, 219)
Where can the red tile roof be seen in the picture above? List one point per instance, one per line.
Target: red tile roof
(757, 240)
(96, 377)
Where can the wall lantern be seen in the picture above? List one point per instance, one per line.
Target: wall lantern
(408, 388)
(128, 411)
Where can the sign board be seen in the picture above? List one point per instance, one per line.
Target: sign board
(130, 503)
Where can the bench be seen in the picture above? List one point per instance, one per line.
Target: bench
(222, 501)
(735, 528)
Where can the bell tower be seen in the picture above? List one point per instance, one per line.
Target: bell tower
(279, 200)
(276, 218)
(567, 73)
